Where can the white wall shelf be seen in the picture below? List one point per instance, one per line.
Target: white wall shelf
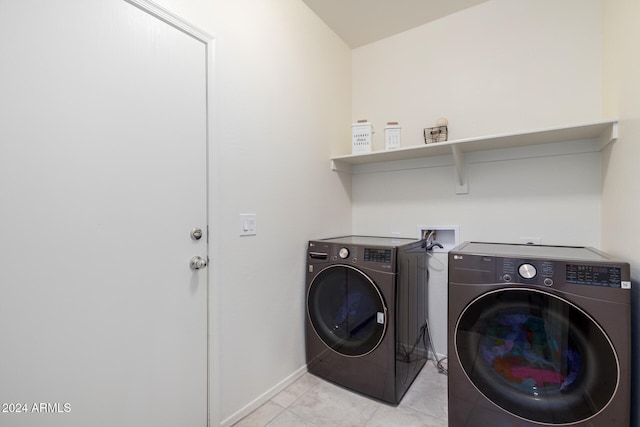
(604, 132)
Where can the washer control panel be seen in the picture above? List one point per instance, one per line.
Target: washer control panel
(596, 275)
(548, 273)
(512, 270)
(560, 267)
(527, 271)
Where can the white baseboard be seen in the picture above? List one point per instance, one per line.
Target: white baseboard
(263, 398)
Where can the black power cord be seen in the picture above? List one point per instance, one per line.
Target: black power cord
(425, 337)
(429, 243)
(428, 344)
(425, 332)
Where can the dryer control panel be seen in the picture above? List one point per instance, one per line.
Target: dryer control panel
(377, 255)
(366, 252)
(375, 258)
(382, 259)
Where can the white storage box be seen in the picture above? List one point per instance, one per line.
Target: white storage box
(361, 135)
(392, 136)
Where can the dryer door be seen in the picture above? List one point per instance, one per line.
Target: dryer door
(347, 310)
(537, 356)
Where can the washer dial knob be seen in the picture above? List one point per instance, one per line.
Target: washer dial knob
(527, 271)
(343, 253)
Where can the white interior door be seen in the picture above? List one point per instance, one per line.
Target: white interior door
(103, 141)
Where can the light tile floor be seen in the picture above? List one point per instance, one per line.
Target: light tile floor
(311, 401)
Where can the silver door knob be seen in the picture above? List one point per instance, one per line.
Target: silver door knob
(198, 262)
(196, 233)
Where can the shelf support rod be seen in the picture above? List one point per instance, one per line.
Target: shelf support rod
(462, 185)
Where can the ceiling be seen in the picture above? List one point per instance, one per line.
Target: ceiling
(360, 22)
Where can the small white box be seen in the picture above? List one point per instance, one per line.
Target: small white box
(361, 133)
(446, 235)
(392, 136)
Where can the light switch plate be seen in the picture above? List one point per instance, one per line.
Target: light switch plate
(248, 224)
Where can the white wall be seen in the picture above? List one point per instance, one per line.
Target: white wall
(286, 90)
(282, 100)
(499, 67)
(621, 172)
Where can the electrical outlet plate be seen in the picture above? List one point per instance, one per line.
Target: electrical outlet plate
(446, 235)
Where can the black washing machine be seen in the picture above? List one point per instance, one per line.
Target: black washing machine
(538, 335)
(366, 311)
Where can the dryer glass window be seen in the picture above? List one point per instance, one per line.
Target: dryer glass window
(346, 310)
(537, 356)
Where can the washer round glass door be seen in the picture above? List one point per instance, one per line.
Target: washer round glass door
(346, 310)
(537, 356)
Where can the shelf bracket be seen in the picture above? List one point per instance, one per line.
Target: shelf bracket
(462, 184)
(608, 136)
(338, 166)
